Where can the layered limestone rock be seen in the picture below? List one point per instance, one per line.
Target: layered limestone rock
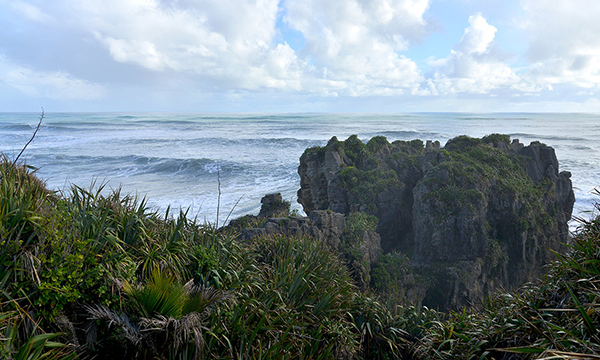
(472, 216)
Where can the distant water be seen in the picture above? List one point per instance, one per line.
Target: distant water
(178, 159)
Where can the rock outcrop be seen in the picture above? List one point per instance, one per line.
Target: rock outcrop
(273, 205)
(472, 216)
(353, 237)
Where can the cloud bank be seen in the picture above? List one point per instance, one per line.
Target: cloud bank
(313, 48)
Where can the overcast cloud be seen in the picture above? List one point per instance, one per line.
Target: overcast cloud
(299, 55)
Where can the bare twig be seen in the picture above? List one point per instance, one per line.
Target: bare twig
(233, 208)
(32, 137)
(219, 197)
(33, 267)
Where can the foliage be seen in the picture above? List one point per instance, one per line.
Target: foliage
(388, 276)
(351, 244)
(417, 144)
(462, 143)
(170, 316)
(354, 148)
(377, 143)
(474, 172)
(359, 222)
(471, 166)
(295, 302)
(275, 297)
(245, 222)
(110, 254)
(353, 247)
(22, 197)
(162, 295)
(35, 345)
(365, 185)
(496, 138)
(23, 202)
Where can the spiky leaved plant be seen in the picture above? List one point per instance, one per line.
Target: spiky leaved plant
(168, 320)
(36, 345)
(23, 198)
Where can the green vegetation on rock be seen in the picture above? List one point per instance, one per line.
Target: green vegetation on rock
(488, 207)
(496, 138)
(355, 248)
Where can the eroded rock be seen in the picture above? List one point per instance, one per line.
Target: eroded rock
(472, 216)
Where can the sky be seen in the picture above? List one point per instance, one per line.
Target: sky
(300, 55)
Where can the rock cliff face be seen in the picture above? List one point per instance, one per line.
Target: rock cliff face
(472, 216)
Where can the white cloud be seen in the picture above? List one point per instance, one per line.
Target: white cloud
(348, 48)
(478, 36)
(141, 52)
(224, 40)
(564, 42)
(473, 66)
(354, 44)
(53, 85)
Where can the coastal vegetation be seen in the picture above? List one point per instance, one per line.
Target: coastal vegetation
(94, 273)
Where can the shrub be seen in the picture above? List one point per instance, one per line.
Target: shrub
(496, 138)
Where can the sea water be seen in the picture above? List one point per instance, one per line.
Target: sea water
(204, 162)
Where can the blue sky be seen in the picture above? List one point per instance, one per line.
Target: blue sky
(300, 55)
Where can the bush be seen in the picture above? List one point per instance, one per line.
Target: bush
(496, 138)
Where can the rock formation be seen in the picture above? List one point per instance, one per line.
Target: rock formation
(353, 237)
(472, 216)
(273, 205)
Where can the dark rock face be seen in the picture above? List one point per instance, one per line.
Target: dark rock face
(322, 225)
(472, 216)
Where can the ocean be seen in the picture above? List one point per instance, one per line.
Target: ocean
(184, 160)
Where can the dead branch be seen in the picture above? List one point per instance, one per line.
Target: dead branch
(219, 197)
(30, 140)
